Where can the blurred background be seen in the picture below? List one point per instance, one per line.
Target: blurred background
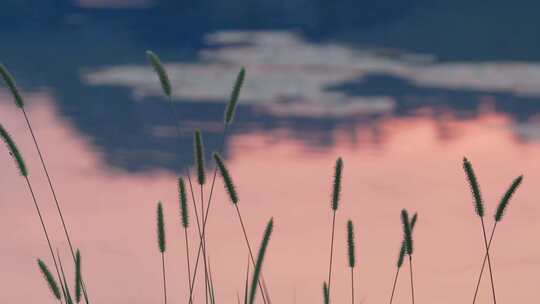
(402, 90)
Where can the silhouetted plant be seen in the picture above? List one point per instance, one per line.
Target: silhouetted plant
(19, 161)
(351, 254)
(401, 257)
(162, 245)
(19, 102)
(475, 189)
(49, 278)
(231, 190)
(498, 217)
(336, 191)
(260, 258)
(407, 235)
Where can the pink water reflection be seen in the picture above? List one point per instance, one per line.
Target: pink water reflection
(111, 213)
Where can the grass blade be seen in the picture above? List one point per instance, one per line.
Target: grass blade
(326, 294)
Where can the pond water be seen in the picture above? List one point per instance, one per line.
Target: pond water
(399, 103)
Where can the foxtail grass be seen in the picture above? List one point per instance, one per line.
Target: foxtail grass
(260, 258)
(162, 246)
(201, 179)
(351, 254)
(19, 102)
(166, 87)
(401, 257)
(479, 207)
(21, 166)
(184, 216)
(228, 119)
(49, 279)
(336, 192)
(65, 285)
(407, 235)
(501, 208)
(78, 277)
(326, 294)
(160, 72)
(233, 196)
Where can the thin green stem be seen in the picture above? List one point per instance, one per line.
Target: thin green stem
(412, 281)
(484, 263)
(394, 285)
(249, 249)
(51, 187)
(187, 258)
(352, 284)
(44, 228)
(331, 252)
(489, 261)
(164, 277)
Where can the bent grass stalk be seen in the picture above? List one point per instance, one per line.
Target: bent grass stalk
(475, 189)
(498, 217)
(335, 204)
(19, 102)
(260, 258)
(19, 161)
(233, 196)
(351, 254)
(162, 246)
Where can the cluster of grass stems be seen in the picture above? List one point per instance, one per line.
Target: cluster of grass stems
(58, 283)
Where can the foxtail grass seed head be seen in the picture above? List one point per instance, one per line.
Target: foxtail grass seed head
(12, 86)
(78, 277)
(337, 184)
(350, 244)
(160, 228)
(413, 220)
(184, 215)
(235, 94)
(326, 294)
(403, 248)
(506, 198)
(407, 231)
(160, 71)
(475, 187)
(13, 151)
(260, 259)
(402, 252)
(49, 278)
(199, 156)
(227, 180)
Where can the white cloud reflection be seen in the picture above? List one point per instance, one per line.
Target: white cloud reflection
(289, 76)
